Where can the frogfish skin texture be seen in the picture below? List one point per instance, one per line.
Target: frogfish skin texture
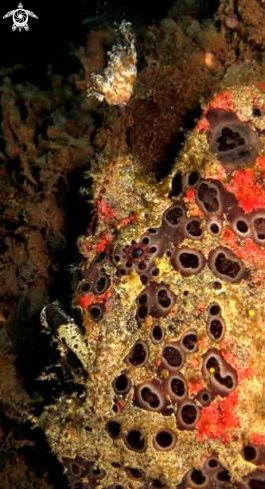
(171, 292)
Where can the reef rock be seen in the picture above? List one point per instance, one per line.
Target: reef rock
(170, 355)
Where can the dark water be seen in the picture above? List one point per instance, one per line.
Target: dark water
(61, 26)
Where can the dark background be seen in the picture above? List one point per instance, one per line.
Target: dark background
(59, 23)
(47, 41)
(60, 26)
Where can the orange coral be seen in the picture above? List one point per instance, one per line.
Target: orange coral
(86, 300)
(105, 240)
(203, 125)
(195, 387)
(250, 194)
(190, 195)
(219, 419)
(223, 100)
(125, 221)
(258, 439)
(105, 209)
(260, 162)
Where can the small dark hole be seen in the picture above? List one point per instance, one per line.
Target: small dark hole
(174, 215)
(115, 408)
(150, 397)
(155, 272)
(198, 477)
(101, 284)
(214, 309)
(128, 264)
(153, 249)
(113, 428)
(189, 260)
(214, 228)
(138, 355)
(157, 483)
(146, 240)
(205, 397)
(135, 440)
(163, 299)
(144, 279)
(121, 384)
(227, 267)
(185, 293)
(230, 139)
(122, 271)
(142, 312)
(85, 287)
(212, 363)
(75, 469)
(223, 476)
(116, 258)
(135, 473)
(173, 356)
(178, 387)
(217, 285)
(116, 465)
(216, 329)
(193, 178)
(118, 487)
(242, 226)
(142, 299)
(96, 312)
(249, 453)
(212, 463)
(194, 228)
(189, 414)
(87, 428)
(157, 333)
(164, 439)
(142, 265)
(256, 112)
(190, 341)
(209, 197)
(152, 230)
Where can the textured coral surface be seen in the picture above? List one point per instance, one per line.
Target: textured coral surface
(171, 295)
